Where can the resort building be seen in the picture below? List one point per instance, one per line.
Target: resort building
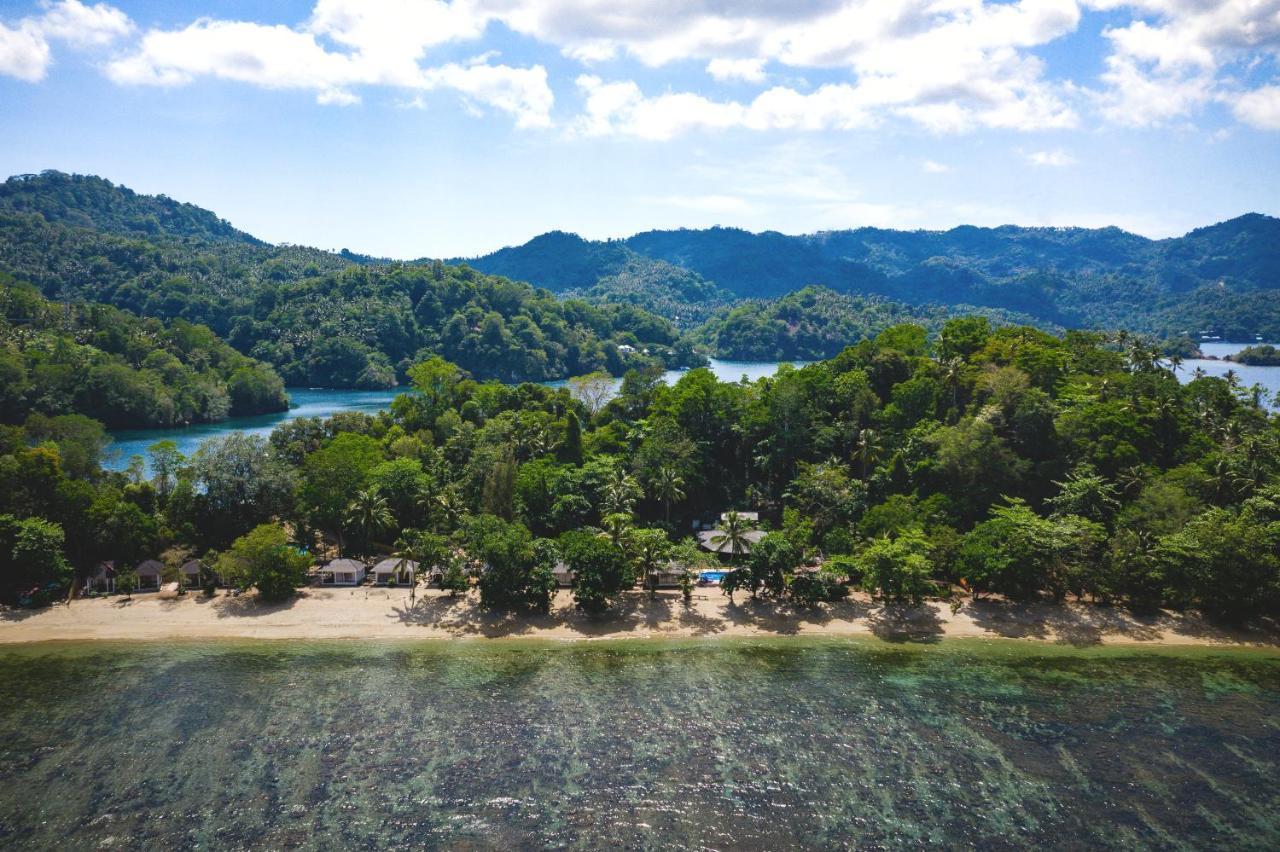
(343, 572)
(103, 579)
(394, 570)
(190, 573)
(149, 573)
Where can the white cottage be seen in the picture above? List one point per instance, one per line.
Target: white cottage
(394, 570)
(343, 572)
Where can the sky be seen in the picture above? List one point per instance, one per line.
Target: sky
(412, 128)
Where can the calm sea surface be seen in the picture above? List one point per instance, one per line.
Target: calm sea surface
(1268, 377)
(319, 402)
(725, 744)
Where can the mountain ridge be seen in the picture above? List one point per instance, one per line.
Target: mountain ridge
(1068, 276)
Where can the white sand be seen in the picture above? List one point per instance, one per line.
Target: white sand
(380, 613)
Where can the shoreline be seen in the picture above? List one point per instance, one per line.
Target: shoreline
(379, 613)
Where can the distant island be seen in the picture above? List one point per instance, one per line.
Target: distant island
(1263, 355)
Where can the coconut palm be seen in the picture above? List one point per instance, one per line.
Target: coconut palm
(620, 492)
(867, 449)
(368, 512)
(952, 372)
(733, 534)
(648, 548)
(617, 527)
(446, 505)
(668, 487)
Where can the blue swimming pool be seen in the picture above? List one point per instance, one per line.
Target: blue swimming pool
(711, 576)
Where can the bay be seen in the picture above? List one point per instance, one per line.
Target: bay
(1267, 377)
(731, 744)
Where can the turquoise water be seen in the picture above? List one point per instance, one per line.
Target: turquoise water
(712, 576)
(319, 402)
(725, 744)
(306, 402)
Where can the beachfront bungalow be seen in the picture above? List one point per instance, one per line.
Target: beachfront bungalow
(343, 572)
(191, 574)
(103, 579)
(563, 575)
(149, 573)
(393, 570)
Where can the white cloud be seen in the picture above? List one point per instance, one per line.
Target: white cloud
(84, 26)
(24, 48)
(1260, 108)
(1055, 159)
(337, 97)
(374, 53)
(23, 52)
(949, 66)
(935, 168)
(746, 70)
(1182, 54)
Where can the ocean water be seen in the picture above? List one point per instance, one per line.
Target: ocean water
(1268, 377)
(722, 744)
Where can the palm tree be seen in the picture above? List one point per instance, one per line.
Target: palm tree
(369, 513)
(617, 528)
(669, 488)
(1257, 393)
(733, 532)
(866, 449)
(649, 547)
(620, 492)
(446, 505)
(952, 371)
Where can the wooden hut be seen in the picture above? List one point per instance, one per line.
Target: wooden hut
(149, 574)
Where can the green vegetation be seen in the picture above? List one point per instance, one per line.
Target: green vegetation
(320, 319)
(264, 559)
(816, 323)
(125, 372)
(1258, 356)
(961, 455)
(1219, 279)
(1001, 461)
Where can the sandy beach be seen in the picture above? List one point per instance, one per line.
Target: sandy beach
(382, 613)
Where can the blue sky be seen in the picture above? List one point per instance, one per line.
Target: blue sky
(411, 128)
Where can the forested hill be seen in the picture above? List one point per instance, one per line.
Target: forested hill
(608, 272)
(1220, 278)
(107, 364)
(816, 323)
(84, 201)
(321, 319)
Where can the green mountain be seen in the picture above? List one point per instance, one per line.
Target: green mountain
(1220, 279)
(609, 272)
(321, 319)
